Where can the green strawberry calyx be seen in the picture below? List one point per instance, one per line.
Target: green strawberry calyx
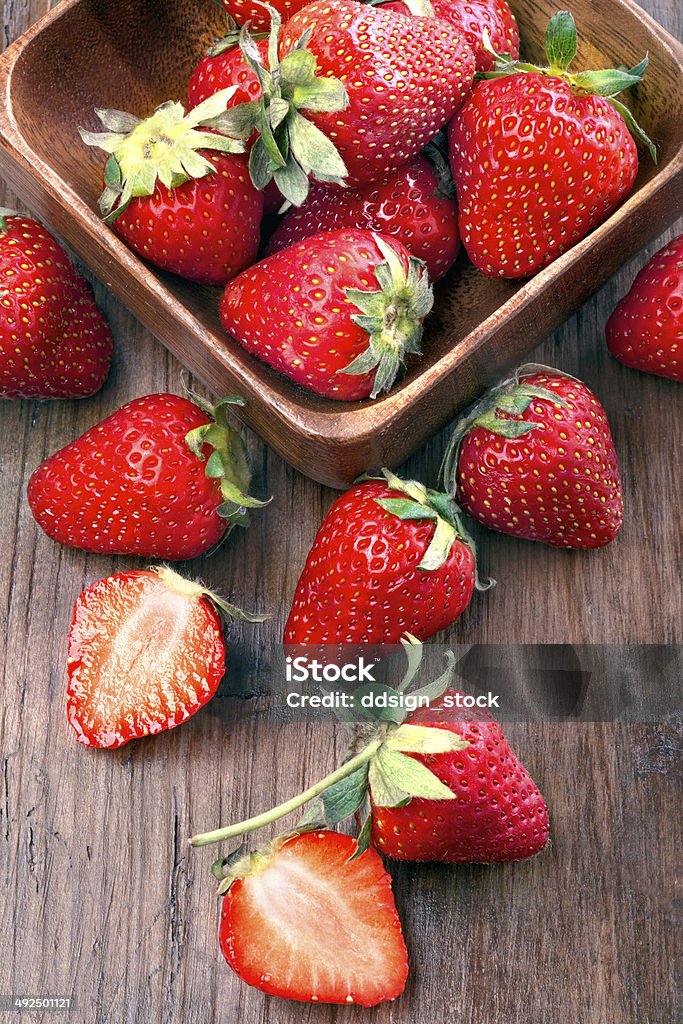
(231, 39)
(289, 148)
(192, 589)
(377, 770)
(228, 463)
(419, 502)
(392, 316)
(561, 45)
(500, 411)
(162, 148)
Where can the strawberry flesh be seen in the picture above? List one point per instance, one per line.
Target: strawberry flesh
(308, 924)
(144, 655)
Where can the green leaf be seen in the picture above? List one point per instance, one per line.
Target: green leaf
(515, 404)
(118, 120)
(560, 41)
(324, 95)
(239, 122)
(414, 652)
(432, 691)
(404, 508)
(346, 796)
(259, 165)
(609, 82)
(636, 131)
(364, 362)
(312, 149)
(504, 428)
(278, 110)
(211, 107)
(364, 838)
(269, 141)
(292, 182)
(313, 815)
(214, 466)
(407, 774)
(384, 792)
(422, 739)
(439, 548)
(298, 67)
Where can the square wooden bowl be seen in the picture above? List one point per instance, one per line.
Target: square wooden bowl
(134, 54)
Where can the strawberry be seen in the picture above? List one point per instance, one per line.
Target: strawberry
(163, 477)
(54, 342)
(303, 920)
(541, 156)
(256, 14)
(498, 813)
(337, 312)
(146, 652)
(390, 557)
(407, 205)
(223, 67)
(405, 77)
(437, 784)
(645, 331)
(536, 459)
(190, 208)
(473, 18)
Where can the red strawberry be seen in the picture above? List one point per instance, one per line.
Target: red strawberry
(645, 331)
(54, 342)
(160, 478)
(304, 921)
(256, 14)
(498, 813)
(191, 209)
(407, 205)
(389, 558)
(224, 66)
(336, 312)
(540, 158)
(536, 460)
(473, 18)
(405, 77)
(146, 651)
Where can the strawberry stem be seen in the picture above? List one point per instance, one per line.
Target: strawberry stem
(275, 813)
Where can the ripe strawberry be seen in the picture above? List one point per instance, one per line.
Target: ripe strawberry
(390, 557)
(645, 331)
(190, 208)
(223, 67)
(336, 312)
(498, 813)
(54, 342)
(304, 921)
(536, 460)
(256, 14)
(163, 477)
(146, 651)
(540, 158)
(407, 205)
(405, 77)
(440, 784)
(473, 18)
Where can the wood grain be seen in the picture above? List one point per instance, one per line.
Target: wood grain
(101, 896)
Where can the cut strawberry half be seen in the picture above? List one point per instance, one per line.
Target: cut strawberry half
(146, 651)
(303, 921)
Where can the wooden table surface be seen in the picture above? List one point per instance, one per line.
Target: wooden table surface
(103, 899)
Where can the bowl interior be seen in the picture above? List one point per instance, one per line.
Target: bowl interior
(134, 54)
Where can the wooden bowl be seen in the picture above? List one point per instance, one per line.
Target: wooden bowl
(136, 53)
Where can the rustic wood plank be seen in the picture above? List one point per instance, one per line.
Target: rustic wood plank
(103, 899)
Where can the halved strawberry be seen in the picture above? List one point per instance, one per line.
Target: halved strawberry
(146, 651)
(303, 921)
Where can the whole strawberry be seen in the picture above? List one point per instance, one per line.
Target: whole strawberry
(541, 156)
(536, 460)
(498, 814)
(54, 342)
(146, 652)
(645, 331)
(438, 784)
(405, 76)
(407, 205)
(190, 208)
(161, 478)
(473, 18)
(390, 557)
(305, 919)
(336, 312)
